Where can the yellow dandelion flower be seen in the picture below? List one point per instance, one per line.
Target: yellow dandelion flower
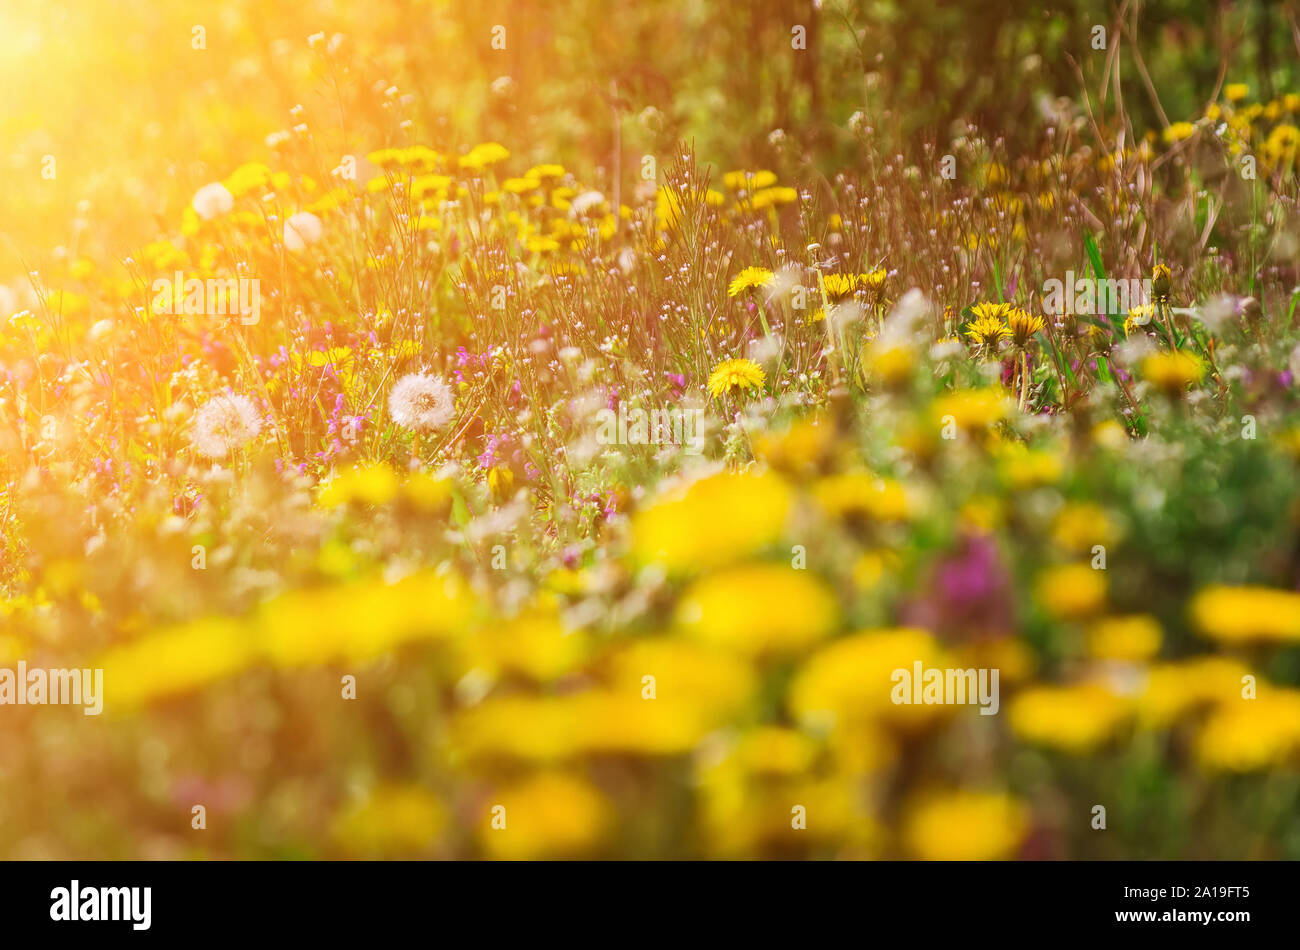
(873, 280)
(1023, 468)
(1160, 281)
(991, 311)
(482, 156)
(1236, 91)
(971, 410)
(839, 286)
(995, 173)
(771, 197)
(800, 451)
(775, 750)
(751, 278)
(891, 364)
(716, 681)
(987, 331)
(1109, 434)
(1173, 371)
(545, 172)
(1139, 316)
(736, 375)
(1022, 326)
(863, 496)
(535, 645)
(384, 157)
(749, 181)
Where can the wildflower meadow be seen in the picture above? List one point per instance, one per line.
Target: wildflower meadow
(576, 429)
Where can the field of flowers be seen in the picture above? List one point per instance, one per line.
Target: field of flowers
(426, 495)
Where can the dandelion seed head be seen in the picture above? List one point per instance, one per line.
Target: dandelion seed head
(224, 424)
(212, 201)
(421, 402)
(300, 230)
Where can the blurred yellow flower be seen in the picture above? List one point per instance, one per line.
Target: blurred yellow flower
(716, 520)
(748, 181)
(773, 750)
(965, 826)
(1074, 719)
(1080, 526)
(1133, 637)
(374, 484)
(481, 156)
(971, 410)
(535, 645)
(1179, 131)
(716, 681)
(888, 363)
(362, 621)
(1072, 591)
(1177, 689)
(176, 660)
(549, 815)
(759, 610)
(807, 447)
(849, 681)
(1243, 735)
(1173, 371)
(1023, 468)
(863, 496)
(1109, 435)
(1242, 614)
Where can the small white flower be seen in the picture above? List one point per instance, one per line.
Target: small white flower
(224, 424)
(300, 230)
(585, 202)
(212, 201)
(421, 402)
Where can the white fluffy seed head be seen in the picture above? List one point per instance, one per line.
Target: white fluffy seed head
(300, 230)
(224, 424)
(212, 201)
(421, 402)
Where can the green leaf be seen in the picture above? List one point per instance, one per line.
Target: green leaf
(1094, 257)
